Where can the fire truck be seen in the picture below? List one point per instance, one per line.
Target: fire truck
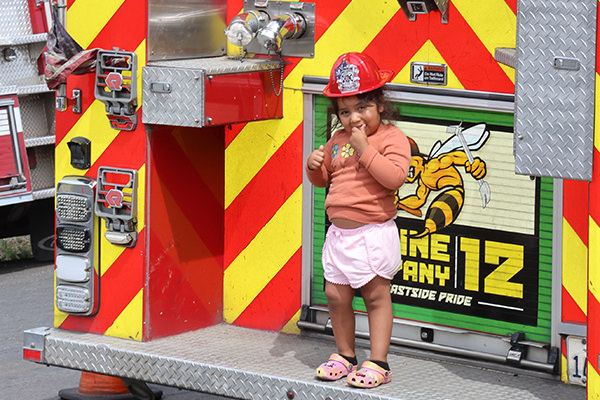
(26, 127)
(188, 237)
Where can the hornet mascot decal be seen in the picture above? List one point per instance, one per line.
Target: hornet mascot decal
(438, 172)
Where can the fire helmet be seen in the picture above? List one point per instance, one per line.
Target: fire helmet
(355, 73)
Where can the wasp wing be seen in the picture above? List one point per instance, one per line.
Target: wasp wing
(475, 136)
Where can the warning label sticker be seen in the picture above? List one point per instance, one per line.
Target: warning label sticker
(429, 73)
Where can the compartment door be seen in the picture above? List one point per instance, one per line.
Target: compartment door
(554, 88)
(14, 171)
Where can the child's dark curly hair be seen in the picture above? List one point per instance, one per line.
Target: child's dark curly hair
(374, 96)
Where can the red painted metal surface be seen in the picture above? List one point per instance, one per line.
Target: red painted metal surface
(242, 97)
(186, 229)
(39, 24)
(593, 311)
(8, 163)
(37, 16)
(122, 280)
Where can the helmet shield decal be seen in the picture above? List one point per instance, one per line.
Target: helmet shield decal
(347, 77)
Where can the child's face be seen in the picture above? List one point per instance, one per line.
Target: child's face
(353, 112)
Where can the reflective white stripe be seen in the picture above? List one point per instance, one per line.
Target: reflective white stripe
(18, 121)
(4, 123)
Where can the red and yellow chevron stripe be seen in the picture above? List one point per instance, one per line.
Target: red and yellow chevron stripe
(172, 280)
(593, 298)
(581, 256)
(97, 24)
(263, 165)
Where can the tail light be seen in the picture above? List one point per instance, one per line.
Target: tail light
(73, 239)
(77, 277)
(74, 208)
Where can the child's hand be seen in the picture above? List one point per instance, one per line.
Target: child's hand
(315, 160)
(358, 139)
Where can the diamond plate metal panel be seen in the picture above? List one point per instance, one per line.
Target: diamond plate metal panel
(42, 172)
(14, 18)
(37, 114)
(252, 364)
(554, 116)
(181, 105)
(22, 71)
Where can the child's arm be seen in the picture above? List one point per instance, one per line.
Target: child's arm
(390, 167)
(315, 168)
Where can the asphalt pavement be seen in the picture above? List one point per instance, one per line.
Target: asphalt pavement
(26, 296)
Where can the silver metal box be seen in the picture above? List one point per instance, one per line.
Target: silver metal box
(209, 91)
(179, 29)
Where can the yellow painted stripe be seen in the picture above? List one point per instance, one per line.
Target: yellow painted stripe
(563, 369)
(258, 141)
(263, 258)
(593, 383)
(495, 25)
(574, 260)
(141, 62)
(430, 53)
(85, 19)
(292, 325)
(129, 323)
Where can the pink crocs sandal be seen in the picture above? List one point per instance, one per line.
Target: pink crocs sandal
(369, 375)
(335, 368)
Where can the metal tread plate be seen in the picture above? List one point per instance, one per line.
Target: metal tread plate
(554, 88)
(43, 193)
(253, 364)
(24, 39)
(40, 141)
(34, 88)
(220, 65)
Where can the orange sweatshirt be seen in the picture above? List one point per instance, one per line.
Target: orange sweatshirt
(362, 187)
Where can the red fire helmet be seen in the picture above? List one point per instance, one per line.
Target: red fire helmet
(355, 73)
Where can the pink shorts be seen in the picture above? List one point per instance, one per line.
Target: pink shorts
(355, 256)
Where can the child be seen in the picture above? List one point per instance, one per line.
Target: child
(363, 164)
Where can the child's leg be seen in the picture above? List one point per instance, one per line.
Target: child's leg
(378, 301)
(339, 300)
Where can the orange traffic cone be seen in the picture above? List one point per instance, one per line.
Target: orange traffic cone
(94, 386)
